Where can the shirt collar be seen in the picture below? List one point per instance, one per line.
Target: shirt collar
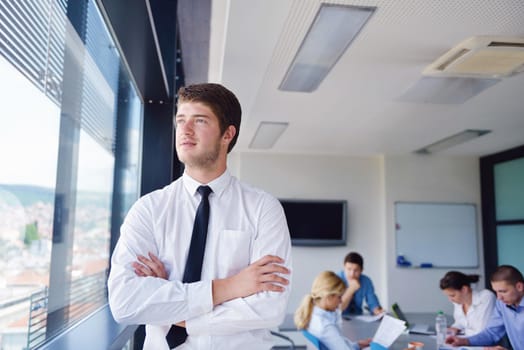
(520, 306)
(475, 298)
(218, 185)
(324, 313)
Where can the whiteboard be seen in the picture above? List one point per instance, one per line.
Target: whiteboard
(440, 234)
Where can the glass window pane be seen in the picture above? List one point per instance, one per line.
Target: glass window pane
(28, 154)
(93, 205)
(509, 190)
(510, 240)
(66, 183)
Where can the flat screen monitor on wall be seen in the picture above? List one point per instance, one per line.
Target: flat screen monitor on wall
(316, 222)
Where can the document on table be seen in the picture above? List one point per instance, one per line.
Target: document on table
(389, 330)
(449, 347)
(370, 318)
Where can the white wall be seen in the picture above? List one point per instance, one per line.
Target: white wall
(370, 185)
(427, 179)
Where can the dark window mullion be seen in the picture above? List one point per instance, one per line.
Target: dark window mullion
(510, 222)
(489, 223)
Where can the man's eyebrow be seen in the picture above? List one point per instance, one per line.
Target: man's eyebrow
(193, 115)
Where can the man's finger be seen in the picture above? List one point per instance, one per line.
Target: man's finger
(269, 287)
(275, 268)
(150, 264)
(155, 259)
(143, 270)
(268, 259)
(272, 278)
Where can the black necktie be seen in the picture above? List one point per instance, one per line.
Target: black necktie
(195, 257)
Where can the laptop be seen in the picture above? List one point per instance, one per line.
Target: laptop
(412, 327)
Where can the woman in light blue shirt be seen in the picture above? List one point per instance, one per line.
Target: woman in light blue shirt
(319, 313)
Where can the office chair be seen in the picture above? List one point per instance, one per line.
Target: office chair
(314, 340)
(280, 335)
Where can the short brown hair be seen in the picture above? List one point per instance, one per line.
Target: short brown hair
(354, 258)
(222, 102)
(507, 273)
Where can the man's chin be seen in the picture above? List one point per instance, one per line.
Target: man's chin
(187, 158)
(197, 162)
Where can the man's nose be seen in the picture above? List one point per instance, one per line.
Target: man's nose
(186, 128)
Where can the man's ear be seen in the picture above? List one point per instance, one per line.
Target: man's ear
(229, 134)
(520, 287)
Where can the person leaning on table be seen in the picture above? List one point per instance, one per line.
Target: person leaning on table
(471, 308)
(508, 315)
(359, 288)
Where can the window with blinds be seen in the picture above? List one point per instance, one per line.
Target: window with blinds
(36, 36)
(32, 36)
(66, 95)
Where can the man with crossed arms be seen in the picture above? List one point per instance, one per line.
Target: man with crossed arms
(244, 285)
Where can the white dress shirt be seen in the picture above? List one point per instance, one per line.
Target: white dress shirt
(478, 313)
(245, 224)
(326, 326)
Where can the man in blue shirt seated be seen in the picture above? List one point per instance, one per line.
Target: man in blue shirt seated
(508, 315)
(359, 287)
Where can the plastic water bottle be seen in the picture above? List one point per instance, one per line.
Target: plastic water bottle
(441, 327)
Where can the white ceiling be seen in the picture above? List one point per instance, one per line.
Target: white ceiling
(356, 110)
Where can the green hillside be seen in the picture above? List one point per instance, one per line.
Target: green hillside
(28, 195)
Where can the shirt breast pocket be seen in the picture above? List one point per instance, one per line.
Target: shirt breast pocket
(234, 252)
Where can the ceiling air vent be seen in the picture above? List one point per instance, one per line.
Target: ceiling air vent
(481, 57)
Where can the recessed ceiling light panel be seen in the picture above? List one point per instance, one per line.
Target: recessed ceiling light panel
(267, 134)
(452, 140)
(332, 31)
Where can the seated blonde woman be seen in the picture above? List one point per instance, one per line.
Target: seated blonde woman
(319, 313)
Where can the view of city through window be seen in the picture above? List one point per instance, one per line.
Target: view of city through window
(29, 149)
(62, 93)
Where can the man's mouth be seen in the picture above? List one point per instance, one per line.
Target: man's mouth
(187, 143)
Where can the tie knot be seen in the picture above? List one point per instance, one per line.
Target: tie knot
(204, 191)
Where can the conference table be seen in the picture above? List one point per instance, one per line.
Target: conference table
(356, 329)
